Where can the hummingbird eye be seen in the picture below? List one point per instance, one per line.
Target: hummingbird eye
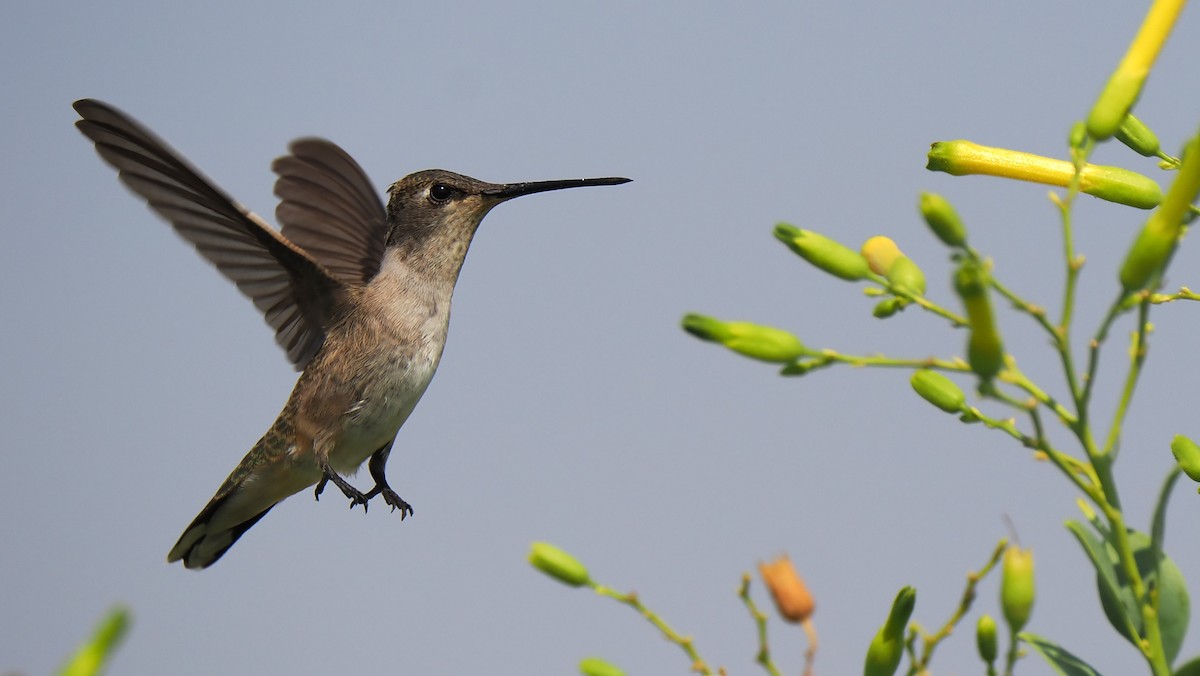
(440, 192)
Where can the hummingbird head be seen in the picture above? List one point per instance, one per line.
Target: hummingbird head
(438, 211)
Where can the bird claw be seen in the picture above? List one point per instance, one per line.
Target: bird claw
(390, 497)
(356, 496)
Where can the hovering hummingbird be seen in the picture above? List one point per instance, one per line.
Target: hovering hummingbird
(358, 296)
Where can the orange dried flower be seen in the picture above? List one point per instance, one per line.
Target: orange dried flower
(792, 598)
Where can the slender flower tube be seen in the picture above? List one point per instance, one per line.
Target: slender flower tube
(1125, 84)
(962, 158)
(1156, 241)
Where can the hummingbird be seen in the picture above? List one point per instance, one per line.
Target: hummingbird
(358, 295)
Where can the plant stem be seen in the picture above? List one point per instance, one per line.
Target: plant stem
(760, 620)
(684, 642)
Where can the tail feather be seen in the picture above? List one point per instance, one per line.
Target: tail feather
(201, 545)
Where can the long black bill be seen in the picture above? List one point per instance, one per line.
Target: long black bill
(509, 190)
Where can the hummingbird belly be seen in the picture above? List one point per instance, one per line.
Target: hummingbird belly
(376, 416)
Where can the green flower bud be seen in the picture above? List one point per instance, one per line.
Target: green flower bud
(594, 666)
(942, 219)
(905, 275)
(1157, 239)
(1138, 137)
(888, 307)
(764, 343)
(962, 158)
(1187, 454)
(90, 657)
(939, 390)
(885, 258)
(1125, 85)
(985, 350)
(1078, 135)
(1017, 587)
(823, 252)
(558, 564)
(985, 639)
(886, 649)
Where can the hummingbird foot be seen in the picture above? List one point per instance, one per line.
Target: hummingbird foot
(390, 497)
(356, 496)
(378, 467)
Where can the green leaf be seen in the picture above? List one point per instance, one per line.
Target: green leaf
(1060, 659)
(1192, 668)
(1106, 578)
(1158, 524)
(1174, 605)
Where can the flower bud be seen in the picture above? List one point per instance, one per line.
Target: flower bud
(558, 564)
(880, 253)
(1016, 586)
(885, 258)
(764, 343)
(792, 598)
(823, 252)
(985, 638)
(594, 666)
(962, 158)
(1157, 239)
(91, 656)
(1187, 454)
(1125, 84)
(985, 350)
(1078, 135)
(939, 390)
(942, 219)
(886, 649)
(888, 307)
(1138, 137)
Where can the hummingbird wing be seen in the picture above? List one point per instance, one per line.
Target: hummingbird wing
(329, 208)
(292, 289)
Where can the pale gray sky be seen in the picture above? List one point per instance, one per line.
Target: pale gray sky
(569, 406)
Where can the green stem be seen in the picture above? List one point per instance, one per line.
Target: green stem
(964, 605)
(684, 642)
(760, 620)
(925, 303)
(1131, 379)
(1184, 293)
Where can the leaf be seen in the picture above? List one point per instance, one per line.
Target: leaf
(1174, 605)
(1060, 659)
(1192, 668)
(1158, 524)
(1106, 578)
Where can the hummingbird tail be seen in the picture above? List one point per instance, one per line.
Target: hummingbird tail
(204, 542)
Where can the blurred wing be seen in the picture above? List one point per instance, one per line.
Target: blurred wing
(291, 288)
(329, 208)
